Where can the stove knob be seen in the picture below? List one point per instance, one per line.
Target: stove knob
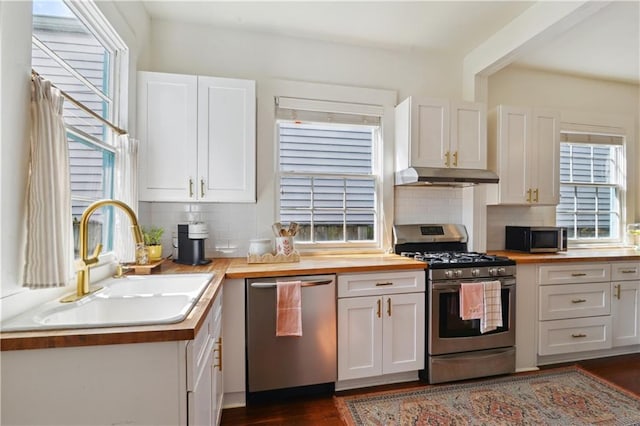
(475, 272)
(458, 273)
(448, 274)
(502, 271)
(493, 272)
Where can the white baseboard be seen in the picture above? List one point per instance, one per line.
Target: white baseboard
(386, 379)
(234, 400)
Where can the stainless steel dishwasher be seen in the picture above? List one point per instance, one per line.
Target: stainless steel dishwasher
(285, 362)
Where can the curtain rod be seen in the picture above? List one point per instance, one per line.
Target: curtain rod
(95, 115)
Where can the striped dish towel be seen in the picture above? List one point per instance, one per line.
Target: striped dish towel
(492, 315)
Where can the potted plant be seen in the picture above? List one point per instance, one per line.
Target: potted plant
(153, 240)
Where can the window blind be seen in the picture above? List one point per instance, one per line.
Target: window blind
(313, 110)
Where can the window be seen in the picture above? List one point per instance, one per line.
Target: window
(69, 50)
(591, 187)
(328, 175)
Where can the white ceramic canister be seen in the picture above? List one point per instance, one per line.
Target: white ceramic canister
(259, 247)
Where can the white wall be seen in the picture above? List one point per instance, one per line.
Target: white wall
(587, 100)
(205, 50)
(15, 66)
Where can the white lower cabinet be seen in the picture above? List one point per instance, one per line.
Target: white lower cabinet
(381, 334)
(588, 307)
(155, 383)
(204, 370)
(625, 303)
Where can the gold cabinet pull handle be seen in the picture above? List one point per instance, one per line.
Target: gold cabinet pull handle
(201, 188)
(578, 300)
(389, 306)
(628, 271)
(190, 188)
(578, 274)
(379, 308)
(529, 195)
(447, 158)
(455, 159)
(383, 284)
(618, 288)
(535, 198)
(576, 336)
(219, 351)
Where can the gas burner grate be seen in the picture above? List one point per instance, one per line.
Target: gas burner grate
(456, 258)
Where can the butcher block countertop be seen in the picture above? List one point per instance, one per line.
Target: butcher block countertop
(573, 255)
(187, 329)
(310, 265)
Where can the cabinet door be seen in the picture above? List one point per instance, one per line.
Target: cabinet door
(199, 401)
(514, 140)
(403, 333)
(468, 144)
(226, 139)
(544, 168)
(359, 337)
(625, 303)
(167, 129)
(217, 385)
(430, 133)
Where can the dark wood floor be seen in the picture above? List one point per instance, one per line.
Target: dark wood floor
(623, 370)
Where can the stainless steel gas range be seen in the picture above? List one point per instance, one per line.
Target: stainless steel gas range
(456, 349)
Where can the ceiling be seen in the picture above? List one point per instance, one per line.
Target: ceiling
(605, 45)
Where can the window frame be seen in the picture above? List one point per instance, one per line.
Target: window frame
(116, 72)
(619, 178)
(376, 174)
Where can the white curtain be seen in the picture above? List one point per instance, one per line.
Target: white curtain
(49, 249)
(126, 190)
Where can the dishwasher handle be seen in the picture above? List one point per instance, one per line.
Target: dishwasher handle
(304, 284)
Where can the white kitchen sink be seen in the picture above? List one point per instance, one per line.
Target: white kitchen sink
(133, 300)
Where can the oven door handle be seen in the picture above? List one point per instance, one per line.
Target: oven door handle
(455, 288)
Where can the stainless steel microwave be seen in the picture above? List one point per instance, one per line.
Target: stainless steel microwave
(536, 239)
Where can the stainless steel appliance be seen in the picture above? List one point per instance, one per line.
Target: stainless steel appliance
(536, 239)
(191, 238)
(285, 362)
(456, 349)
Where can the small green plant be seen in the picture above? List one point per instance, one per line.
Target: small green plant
(152, 235)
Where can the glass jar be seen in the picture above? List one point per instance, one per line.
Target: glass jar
(142, 254)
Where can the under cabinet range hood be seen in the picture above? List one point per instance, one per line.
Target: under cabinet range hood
(444, 176)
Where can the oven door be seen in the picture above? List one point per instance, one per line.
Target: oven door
(448, 333)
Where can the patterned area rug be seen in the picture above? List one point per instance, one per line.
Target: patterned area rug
(568, 396)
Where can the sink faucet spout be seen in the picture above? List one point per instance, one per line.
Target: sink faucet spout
(84, 262)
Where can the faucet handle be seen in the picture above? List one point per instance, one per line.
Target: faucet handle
(97, 250)
(121, 269)
(94, 257)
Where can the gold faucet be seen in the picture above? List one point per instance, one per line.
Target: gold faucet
(84, 262)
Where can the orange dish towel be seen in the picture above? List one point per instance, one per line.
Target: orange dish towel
(492, 315)
(471, 301)
(289, 313)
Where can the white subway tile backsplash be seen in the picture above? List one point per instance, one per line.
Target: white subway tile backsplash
(230, 225)
(427, 205)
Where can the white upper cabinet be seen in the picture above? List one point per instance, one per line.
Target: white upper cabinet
(524, 150)
(167, 127)
(197, 138)
(440, 133)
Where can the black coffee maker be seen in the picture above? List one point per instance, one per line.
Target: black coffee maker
(191, 238)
